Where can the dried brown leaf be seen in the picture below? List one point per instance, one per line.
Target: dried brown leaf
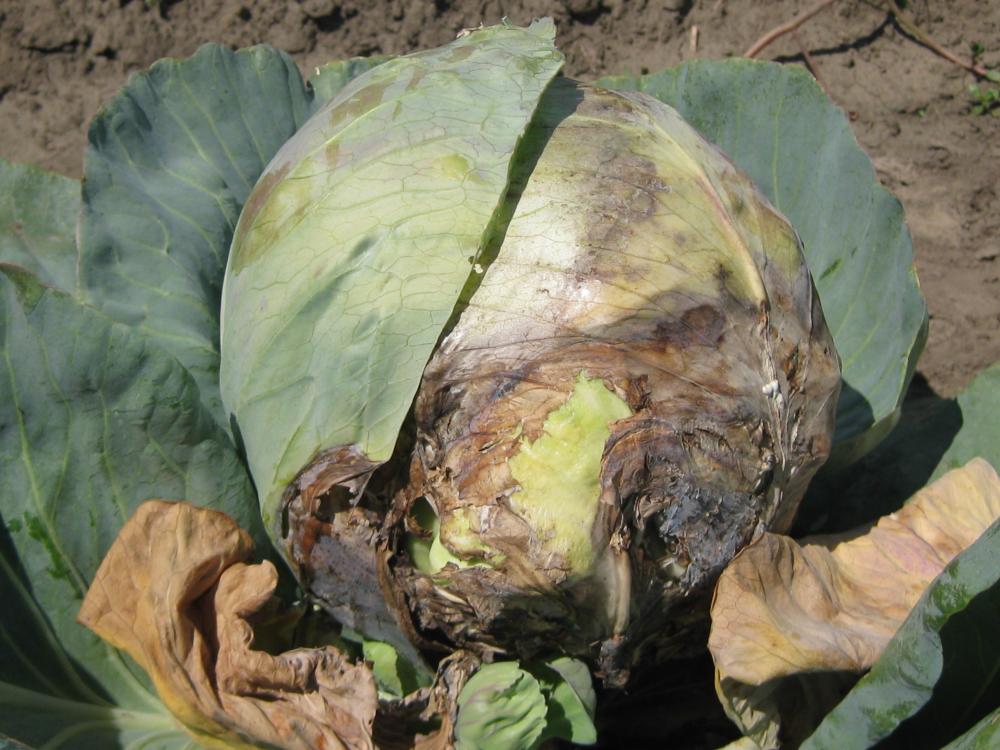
(176, 593)
(829, 605)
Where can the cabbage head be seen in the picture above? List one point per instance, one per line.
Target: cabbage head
(519, 363)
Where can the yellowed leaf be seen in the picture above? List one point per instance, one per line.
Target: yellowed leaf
(176, 593)
(786, 608)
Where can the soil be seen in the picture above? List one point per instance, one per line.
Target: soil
(910, 109)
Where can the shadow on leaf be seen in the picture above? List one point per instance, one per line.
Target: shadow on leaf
(883, 480)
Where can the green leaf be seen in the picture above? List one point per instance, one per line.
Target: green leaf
(172, 159)
(943, 662)
(571, 701)
(38, 213)
(44, 721)
(983, 736)
(507, 706)
(359, 263)
(94, 419)
(395, 676)
(777, 125)
(501, 707)
(934, 436)
(385, 666)
(979, 434)
(45, 699)
(327, 80)
(6, 743)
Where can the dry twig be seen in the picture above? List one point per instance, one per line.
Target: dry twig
(903, 19)
(786, 28)
(908, 25)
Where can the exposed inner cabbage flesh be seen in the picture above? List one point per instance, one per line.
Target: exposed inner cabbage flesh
(559, 473)
(559, 479)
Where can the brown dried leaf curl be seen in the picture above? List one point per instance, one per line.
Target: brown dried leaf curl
(176, 593)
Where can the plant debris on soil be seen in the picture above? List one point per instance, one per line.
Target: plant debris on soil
(934, 142)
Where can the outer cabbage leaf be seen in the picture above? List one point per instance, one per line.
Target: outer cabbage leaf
(395, 676)
(500, 708)
(506, 705)
(327, 80)
(94, 419)
(176, 592)
(943, 662)
(45, 698)
(571, 699)
(357, 266)
(172, 159)
(47, 722)
(979, 434)
(983, 736)
(778, 125)
(38, 213)
(934, 436)
(794, 623)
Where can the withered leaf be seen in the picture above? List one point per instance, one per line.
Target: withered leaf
(827, 606)
(175, 591)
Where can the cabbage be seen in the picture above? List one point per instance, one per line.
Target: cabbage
(516, 360)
